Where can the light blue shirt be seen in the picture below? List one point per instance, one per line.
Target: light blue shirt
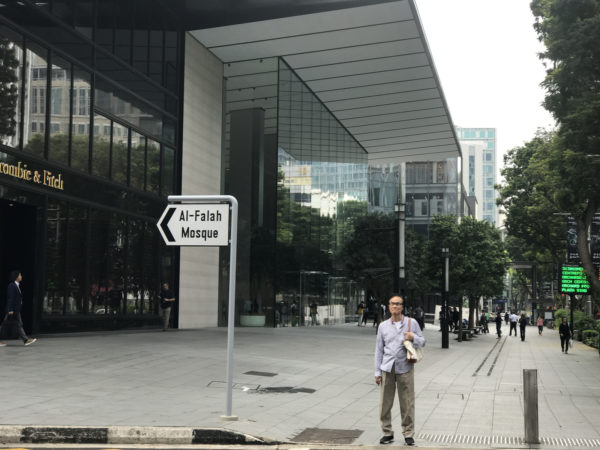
(390, 351)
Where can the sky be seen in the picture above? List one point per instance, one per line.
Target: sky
(485, 53)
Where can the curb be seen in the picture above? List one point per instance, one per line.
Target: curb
(125, 435)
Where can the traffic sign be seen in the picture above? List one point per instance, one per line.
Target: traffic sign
(199, 224)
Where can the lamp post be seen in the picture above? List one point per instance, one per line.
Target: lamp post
(445, 295)
(401, 276)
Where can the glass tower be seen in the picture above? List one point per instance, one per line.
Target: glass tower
(479, 151)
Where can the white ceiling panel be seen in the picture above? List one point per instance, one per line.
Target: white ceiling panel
(370, 66)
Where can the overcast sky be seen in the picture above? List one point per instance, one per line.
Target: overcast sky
(485, 53)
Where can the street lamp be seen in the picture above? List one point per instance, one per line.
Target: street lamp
(445, 296)
(399, 208)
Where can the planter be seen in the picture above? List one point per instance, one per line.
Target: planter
(252, 320)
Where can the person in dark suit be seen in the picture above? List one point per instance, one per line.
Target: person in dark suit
(14, 304)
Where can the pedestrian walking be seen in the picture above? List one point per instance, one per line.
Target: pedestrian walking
(506, 317)
(420, 316)
(167, 300)
(360, 310)
(394, 372)
(499, 325)
(313, 313)
(14, 306)
(513, 324)
(540, 324)
(522, 325)
(484, 323)
(565, 335)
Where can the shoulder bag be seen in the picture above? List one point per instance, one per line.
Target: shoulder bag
(413, 355)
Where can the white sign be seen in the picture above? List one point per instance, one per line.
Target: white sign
(205, 225)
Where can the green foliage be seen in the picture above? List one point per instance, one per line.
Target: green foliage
(570, 32)
(585, 323)
(9, 92)
(477, 257)
(578, 318)
(590, 337)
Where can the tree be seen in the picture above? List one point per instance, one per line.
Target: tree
(9, 92)
(570, 31)
(535, 233)
(478, 259)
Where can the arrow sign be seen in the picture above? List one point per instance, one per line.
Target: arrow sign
(204, 225)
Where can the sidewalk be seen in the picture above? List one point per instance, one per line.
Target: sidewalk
(312, 384)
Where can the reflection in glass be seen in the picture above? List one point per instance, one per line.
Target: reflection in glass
(120, 153)
(80, 138)
(167, 171)
(135, 269)
(54, 299)
(60, 104)
(74, 260)
(101, 147)
(11, 55)
(153, 166)
(37, 62)
(322, 183)
(137, 161)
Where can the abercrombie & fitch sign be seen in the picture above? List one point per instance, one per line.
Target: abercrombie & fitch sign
(22, 171)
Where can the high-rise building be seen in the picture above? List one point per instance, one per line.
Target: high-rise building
(478, 147)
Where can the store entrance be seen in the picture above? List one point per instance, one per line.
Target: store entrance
(17, 251)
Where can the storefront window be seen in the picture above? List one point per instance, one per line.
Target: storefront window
(137, 161)
(11, 76)
(60, 106)
(153, 166)
(37, 59)
(167, 171)
(101, 147)
(120, 153)
(80, 136)
(56, 228)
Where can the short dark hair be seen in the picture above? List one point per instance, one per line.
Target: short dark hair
(14, 275)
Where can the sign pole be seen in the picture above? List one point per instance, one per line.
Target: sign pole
(231, 316)
(171, 239)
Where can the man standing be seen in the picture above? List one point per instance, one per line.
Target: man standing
(14, 304)
(513, 324)
(393, 371)
(167, 300)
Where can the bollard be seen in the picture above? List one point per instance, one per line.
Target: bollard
(530, 404)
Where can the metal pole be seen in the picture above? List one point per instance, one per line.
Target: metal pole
(445, 294)
(530, 406)
(232, 272)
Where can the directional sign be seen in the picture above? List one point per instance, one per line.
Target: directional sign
(204, 225)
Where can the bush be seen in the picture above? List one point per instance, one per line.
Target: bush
(585, 323)
(590, 337)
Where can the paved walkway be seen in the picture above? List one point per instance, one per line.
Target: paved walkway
(291, 380)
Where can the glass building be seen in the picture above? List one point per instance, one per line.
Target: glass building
(303, 111)
(479, 162)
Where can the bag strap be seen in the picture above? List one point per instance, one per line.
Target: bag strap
(409, 321)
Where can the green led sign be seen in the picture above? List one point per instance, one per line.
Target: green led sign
(573, 280)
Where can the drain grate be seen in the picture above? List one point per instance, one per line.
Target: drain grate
(285, 390)
(260, 374)
(506, 440)
(327, 436)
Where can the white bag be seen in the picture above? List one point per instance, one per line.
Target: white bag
(413, 355)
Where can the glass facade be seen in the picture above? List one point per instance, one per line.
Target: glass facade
(89, 153)
(487, 136)
(307, 177)
(432, 188)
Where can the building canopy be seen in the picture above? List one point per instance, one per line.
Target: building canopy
(370, 65)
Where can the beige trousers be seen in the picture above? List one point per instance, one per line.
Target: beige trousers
(404, 383)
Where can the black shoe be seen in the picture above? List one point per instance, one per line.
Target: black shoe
(409, 441)
(387, 439)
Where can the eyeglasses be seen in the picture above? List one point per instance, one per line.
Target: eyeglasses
(396, 304)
